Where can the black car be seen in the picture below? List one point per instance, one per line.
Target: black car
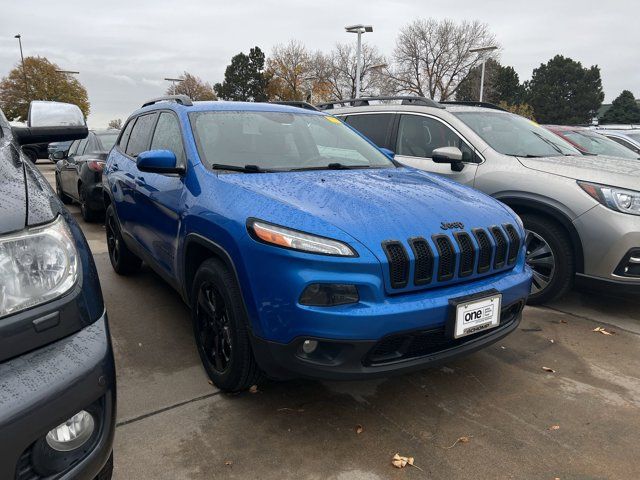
(36, 151)
(79, 172)
(58, 147)
(57, 377)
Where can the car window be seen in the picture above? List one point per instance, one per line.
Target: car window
(599, 144)
(106, 140)
(73, 148)
(168, 136)
(634, 136)
(624, 143)
(140, 135)
(281, 141)
(82, 145)
(419, 136)
(126, 134)
(375, 127)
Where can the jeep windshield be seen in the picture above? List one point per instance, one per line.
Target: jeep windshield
(250, 141)
(514, 135)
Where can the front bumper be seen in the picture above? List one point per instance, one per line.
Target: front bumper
(607, 238)
(43, 388)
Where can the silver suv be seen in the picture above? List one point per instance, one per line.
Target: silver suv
(581, 213)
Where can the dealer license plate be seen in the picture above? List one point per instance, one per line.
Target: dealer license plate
(476, 315)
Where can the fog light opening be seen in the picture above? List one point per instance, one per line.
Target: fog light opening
(73, 433)
(309, 346)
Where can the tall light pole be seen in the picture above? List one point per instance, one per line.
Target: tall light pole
(173, 83)
(24, 72)
(359, 29)
(480, 51)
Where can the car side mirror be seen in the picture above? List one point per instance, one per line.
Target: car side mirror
(388, 153)
(452, 155)
(158, 161)
(59, 155)
(51, 122)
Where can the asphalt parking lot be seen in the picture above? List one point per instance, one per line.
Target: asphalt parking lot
(555, 399)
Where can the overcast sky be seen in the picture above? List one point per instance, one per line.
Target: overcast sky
(124, 49)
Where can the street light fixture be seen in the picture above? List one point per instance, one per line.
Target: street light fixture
(359, 29)
(68, 72)
(480, 51)
(24, 72)
(173, 83)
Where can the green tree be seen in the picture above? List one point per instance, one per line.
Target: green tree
(193, 87)
(624, 109)
(562, 91)
(501, 84)
(244, 78)
(43, 82)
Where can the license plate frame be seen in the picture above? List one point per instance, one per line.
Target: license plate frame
(474, 313)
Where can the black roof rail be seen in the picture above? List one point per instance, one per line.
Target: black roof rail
(296, 103)
(493, 106)
(181, 99)
(364, 101)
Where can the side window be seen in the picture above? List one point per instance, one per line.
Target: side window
(91, 144)
(375, 127)
(140, 135)
(81, 145)
(419, 136)
(624, 143)
(168, 136)
(73, 148)
(124, 139)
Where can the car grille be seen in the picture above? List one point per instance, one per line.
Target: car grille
(24, 469)
(418, 344)
(445, 257)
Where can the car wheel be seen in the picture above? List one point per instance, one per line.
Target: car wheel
(66, 199)
(88, 214)
(123, 260)
(107, 471)
(220, 328)
(550, 255)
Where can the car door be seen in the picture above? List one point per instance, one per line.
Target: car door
(69, 171)
(159, 197)
(418, 135)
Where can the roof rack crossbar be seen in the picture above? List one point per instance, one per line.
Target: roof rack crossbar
(364, 101)
(493, 106)
(181, 99)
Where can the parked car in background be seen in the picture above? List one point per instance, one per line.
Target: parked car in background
(626, 135)
(79, 172)
(581, 213)
(302, 248)
(36, 151)
(58, 147)
(590, 142)
(57, 379)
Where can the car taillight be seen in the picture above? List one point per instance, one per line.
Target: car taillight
(95, 165)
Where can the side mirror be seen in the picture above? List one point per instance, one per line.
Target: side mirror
(158, 161)
(388, 153)
(51, 122)
(452, 155)
(59, 155)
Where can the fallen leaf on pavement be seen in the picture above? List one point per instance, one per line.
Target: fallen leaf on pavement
(228, 463)
(253, 389)
(554, 427)
(602, 331)
(551, 340)
(359, 429)
(399, 461)
(547, 369)
(210, 382)
(460, 440)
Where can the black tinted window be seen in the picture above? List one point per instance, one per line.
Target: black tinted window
(83, 143)
(419, 136)
(140, 135)
(73, 148)
(168, 136)
(124, 139)
(375, 127)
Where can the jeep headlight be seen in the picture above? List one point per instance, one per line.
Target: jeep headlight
(618, 199)
(37, 264)
(296, 240)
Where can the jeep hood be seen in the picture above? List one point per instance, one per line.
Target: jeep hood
(614, 171)
(377, 204)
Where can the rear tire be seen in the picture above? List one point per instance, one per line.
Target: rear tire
(220, 328)
(550, 255)
(123, 260)
(66, 199)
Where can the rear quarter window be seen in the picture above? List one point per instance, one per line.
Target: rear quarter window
(140, 135)
(376, 127)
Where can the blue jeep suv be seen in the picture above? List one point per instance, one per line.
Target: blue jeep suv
(303, 249)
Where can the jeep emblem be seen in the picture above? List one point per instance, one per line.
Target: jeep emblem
(451, 225)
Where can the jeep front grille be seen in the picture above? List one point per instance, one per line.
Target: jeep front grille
(398, 263)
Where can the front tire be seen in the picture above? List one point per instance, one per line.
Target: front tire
(550, 255)
(220, 328)
(123, 260)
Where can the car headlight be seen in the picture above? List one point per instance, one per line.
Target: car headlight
(296, 240)
(37, 264)
(618, 199)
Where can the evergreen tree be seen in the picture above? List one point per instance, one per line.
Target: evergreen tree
(244, 78)
(624, 109)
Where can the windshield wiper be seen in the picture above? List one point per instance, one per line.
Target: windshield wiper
(549, 142)
(332, 166)
(238, 168)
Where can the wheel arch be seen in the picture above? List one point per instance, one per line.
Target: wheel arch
(535, 206)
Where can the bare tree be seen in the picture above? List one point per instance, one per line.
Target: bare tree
(431, 57)
(193, 87)
(115, 123)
